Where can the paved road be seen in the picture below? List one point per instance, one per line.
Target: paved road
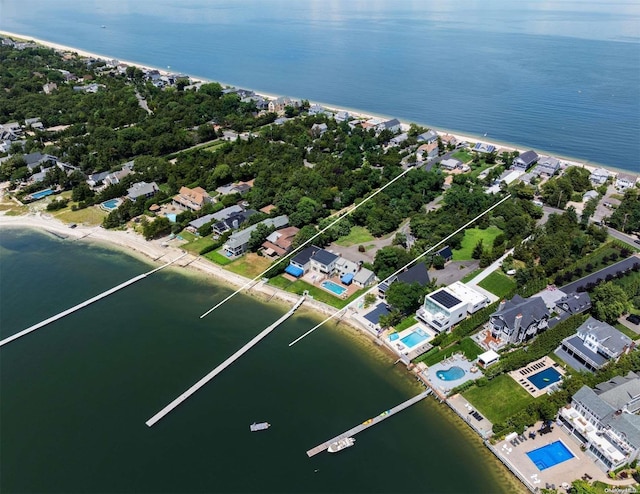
(602, 274)
(623, 237)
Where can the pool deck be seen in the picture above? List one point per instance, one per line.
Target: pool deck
(514, 456)
(520, 375)
(443, 387)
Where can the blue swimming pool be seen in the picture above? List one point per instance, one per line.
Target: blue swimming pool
(111, 204)
(415, 338)
(332, 287)
(550, 455)
(545, 378)
(42, 193)
(171, 217)
(451, 374)
(394, 336)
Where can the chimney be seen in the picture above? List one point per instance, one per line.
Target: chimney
(501, 306)
(235, 224)
(517, 322)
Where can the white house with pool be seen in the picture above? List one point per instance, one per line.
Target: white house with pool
(450, 305)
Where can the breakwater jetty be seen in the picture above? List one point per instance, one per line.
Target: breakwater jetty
(174, 404)
(84, 304)
(369, 423)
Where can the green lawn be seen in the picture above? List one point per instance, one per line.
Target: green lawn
(218, 258)
(471, 238)
(472, 275)
(249, 265)
(92, 215)
(214, 146)
(466, 346)
(625, 330)
(462, 155)
(498, 283)
(198, 244)
(357, 235)
(501, 398)
(406, 323)
(188, 236)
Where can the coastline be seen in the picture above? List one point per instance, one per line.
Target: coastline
(361, 114)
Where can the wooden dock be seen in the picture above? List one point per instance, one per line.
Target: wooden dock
(222, 366)
(369, 423)
(82, 305)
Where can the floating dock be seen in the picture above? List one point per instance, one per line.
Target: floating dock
(369, 423)
(222, 366)
(82, 305)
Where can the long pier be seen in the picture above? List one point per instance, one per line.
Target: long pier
(222, 366)
(82, 305)
(369, 423)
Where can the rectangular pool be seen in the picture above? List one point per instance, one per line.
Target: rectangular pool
(333, 288)
(545, 378)
(415, 338)
(550, 455)
(41, 194)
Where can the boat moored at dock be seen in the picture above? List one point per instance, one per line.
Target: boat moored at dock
(260, 426)
(341, 444)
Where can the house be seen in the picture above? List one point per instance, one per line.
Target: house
(278, 243)
(605, 421)
(237, 188)
(428, 137)
(364, 277)
(192, 199)
(142, 189)
(449, 140)
(518, 320)
(237, 243)
(312, 259)
(219, 216)
(324, 262)
(427, 152)
(450, 164)
(279, 104)
(593, 346)
(36, 160)
(34, 123)
(445, 253)
(525, 161)
(599, 176)
(547, 165)
(588, 195)
(318, 129)
(625, 181)
(316, 110)
(574, 303)
(399, 139)
(96, 179)
(417, 273)
(481, 147)
(341, 116)
(232, 221)
(392, 125)
(448, 306)
(300, 263)
(116, 177)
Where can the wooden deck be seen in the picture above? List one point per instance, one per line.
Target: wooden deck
(369, 423)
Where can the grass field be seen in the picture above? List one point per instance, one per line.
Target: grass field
(197, 245)
(406, 323)
(462, 155)
(471, 238)
(625, 330)
(466, 346)
(249, 265)
(498, 283)
(501, 398)
(357, 235)
(218, 258)
(92, 215)
(319, 294)
(472, 275)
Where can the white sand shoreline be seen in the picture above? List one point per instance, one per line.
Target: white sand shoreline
(569, 161)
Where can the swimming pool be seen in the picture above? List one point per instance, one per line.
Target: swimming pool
(451, 374)
(42, 193)
(394, 336)
(550, 455)
(414, 338)
(171, 217)
(111, 204)
(333, 288)
(545, 378)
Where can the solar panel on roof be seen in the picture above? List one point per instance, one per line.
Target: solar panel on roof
(445, 299)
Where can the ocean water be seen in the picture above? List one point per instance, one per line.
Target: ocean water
(75, 395)
(560, 77)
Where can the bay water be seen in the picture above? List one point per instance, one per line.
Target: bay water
(75, 394)
(561, 77)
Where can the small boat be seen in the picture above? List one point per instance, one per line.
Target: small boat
(341, 444)
(260, 426)
(103, 26)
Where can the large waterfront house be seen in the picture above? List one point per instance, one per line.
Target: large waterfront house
(232, 221)
(428, 137)
(593, 346)
(518, 320)
(237, 243)
(327, 264)
(525, 161)
(279, 104)
(625, 181)
(392, 125)
(278, 243)
(599, 176)
(482, 147)
(448, 306)
(605, 420)
(192, 199)
(547, 165)
(142, 190)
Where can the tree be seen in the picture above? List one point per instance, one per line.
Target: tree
(390, 259)
(608, 302)
(438, 262)
(477, 250)
(258, 236)
(405, 297)
(369, 300)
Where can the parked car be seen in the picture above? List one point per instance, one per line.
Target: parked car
(633, 318)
